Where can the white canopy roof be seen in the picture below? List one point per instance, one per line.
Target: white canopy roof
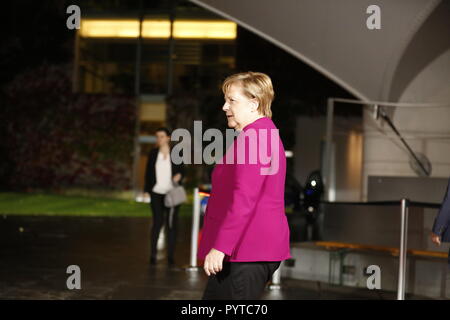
(413, 42)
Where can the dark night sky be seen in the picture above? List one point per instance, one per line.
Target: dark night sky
(33, 34)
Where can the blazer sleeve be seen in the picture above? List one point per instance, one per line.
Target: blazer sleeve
(443, 218)
(247, 183)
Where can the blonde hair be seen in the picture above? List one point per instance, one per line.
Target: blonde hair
(254, 85)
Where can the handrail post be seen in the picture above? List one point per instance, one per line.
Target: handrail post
(195, 228)
(403, 249)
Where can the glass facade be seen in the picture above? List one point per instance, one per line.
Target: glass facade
(108, 65)
(107, 58)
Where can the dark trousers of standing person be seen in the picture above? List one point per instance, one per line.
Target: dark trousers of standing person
(240, 280)
(161, 213)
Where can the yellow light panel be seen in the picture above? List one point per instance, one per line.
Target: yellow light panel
(109, 28)
(156, 29)
(204, 29)
(183, 29)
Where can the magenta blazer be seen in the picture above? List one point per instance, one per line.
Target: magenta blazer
(245, 216)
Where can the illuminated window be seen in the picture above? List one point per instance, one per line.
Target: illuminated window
(182, 29)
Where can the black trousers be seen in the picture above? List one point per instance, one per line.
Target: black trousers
(240, 280)
(160, 214)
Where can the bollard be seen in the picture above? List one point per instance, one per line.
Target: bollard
(195, 228)
(403, 248)
(276, 279)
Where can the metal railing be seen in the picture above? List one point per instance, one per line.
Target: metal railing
(405, 204)
(328, 161)
(276, 278)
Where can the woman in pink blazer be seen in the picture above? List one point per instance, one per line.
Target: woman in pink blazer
(245, 232)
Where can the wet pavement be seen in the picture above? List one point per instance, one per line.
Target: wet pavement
(113, 255)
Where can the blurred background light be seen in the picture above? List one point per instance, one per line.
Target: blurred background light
(182, 29)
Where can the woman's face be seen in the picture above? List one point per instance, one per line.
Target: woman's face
(238, 108)
(162, 138)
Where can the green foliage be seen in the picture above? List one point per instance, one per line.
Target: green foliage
(55, 138)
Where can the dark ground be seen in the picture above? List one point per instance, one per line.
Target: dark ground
(113, 253)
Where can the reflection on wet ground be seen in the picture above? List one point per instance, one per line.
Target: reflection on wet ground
(113, 255)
